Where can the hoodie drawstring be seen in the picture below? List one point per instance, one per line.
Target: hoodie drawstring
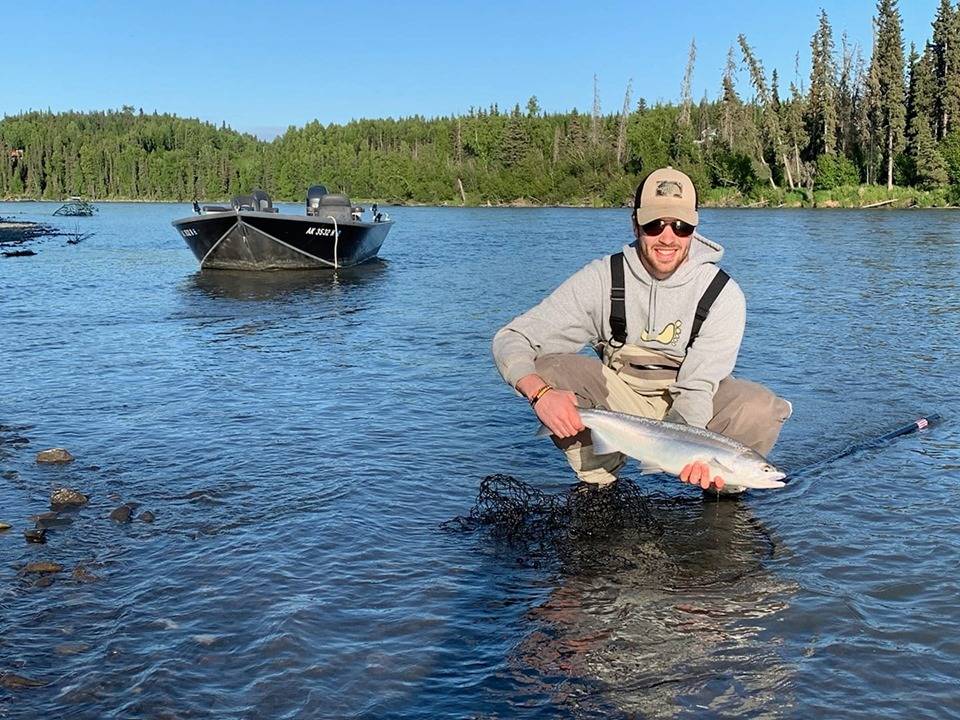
(651, 307)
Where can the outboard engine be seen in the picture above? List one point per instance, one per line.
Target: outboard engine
(314, 198)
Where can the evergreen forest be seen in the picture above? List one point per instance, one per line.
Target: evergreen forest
(856, 129)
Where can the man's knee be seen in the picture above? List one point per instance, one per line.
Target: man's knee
(750, 413)
(593, 468)
(580, 374)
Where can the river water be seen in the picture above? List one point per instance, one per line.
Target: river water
(301, 438)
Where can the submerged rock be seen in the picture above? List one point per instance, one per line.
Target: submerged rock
(72, 648)
(121, 514)
(65, 497)
(147, 516)
(4, 526)
(82, 575)
(11, 681)
(9, 474)
(53, 522)
(38, 535)
(41, 567)
(54, 456)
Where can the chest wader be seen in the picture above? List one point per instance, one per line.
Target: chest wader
(632, 379)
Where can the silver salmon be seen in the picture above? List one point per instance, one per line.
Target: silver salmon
(667, 447)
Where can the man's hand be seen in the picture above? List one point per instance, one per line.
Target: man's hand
(698, 473)
(557, 409)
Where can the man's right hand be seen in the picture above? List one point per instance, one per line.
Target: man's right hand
(557, 409)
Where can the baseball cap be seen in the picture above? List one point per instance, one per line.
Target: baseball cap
(666, 193)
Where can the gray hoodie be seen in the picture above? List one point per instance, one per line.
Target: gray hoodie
(659, 317)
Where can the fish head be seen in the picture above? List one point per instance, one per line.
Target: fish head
(761, 475)
(752, 470)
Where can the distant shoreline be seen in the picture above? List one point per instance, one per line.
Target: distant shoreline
(866, 197)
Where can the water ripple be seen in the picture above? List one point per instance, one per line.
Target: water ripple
(300, 438)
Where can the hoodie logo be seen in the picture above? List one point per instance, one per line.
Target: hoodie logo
(670, 335)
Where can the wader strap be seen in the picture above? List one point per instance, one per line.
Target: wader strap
(618, 298)
(703, 307)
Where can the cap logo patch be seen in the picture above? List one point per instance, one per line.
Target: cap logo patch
(669, 188)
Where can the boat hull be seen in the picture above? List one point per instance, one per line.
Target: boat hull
(270, 241)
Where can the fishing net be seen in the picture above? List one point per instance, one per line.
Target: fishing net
(686, 541)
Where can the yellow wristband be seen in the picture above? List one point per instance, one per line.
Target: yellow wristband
(540, 393)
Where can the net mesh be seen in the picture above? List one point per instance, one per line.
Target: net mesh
(675, 541)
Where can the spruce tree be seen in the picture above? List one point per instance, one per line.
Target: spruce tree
(946, 62)
(822, 102)
(921, 95)
(887, 94)
(729, 100)
(929, 167)
(926, 164)
(847, 87)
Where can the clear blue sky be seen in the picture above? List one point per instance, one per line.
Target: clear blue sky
(261, 66)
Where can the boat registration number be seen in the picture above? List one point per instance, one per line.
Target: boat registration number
(326, 232)
(188, 232)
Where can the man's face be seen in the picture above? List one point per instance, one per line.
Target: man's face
(663, 253)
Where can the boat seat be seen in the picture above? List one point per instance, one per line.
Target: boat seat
(261, 201)
(335, 204)
(243, 202)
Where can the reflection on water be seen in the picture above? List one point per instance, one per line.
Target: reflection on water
(301, 436)
(650, 640)
(275, 285)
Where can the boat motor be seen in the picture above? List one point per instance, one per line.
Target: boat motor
(314, 198)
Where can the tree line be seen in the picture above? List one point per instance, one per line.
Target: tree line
(892, 119)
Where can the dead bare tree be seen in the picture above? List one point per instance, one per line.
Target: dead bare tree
(595, 117)
(686, 93)
(770, 134)
(622, 130)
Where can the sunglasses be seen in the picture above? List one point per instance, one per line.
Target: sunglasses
(680, 228)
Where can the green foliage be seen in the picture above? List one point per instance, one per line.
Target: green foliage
(834, 171)
(851, 124)
(822, 107)
(945, 62)
(949, 149)
(886, 90)
(929, 169)
(729, 168)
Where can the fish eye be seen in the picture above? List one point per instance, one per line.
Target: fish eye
(767, 468)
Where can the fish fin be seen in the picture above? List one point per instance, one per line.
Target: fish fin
(601, 444)
(543, 431)
(731, 489)
(717, 464)
(649, 468)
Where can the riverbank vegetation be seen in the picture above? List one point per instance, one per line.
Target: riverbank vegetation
(858, 131)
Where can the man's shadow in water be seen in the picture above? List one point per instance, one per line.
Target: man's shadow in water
(659, 602)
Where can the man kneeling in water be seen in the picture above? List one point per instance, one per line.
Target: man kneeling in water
(667, 323)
